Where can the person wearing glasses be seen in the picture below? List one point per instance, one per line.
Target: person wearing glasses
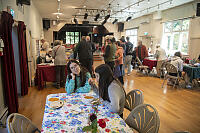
(77, 78)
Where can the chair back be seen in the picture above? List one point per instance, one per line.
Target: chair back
(17, 123)
(139, 61)
(171, 68)
(133, 99)
(144, 118)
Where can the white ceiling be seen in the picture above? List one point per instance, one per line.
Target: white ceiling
(120, 9)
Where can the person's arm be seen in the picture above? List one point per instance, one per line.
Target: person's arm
(86, 88)
(53, 53)
(146, 51)
(113, 105)
(93, 47)
(180, 63)
(107, 51)
(76, 50)
(70, 85)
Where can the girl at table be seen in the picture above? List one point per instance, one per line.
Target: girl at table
(77, 78)
(110, 89)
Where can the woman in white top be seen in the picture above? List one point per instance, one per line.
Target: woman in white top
(110, 89)
(161, 57)
(59, 55)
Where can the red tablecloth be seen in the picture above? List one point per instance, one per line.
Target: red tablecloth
(187, 60)
(46, 73)
(149, 63)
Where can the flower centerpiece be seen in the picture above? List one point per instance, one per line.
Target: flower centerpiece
(93, 119)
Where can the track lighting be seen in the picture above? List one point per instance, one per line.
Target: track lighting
(107, 17)
(86, 15)
(114, 21)
(96, 17)
(75, 21)
(104, 22)
(128, 18)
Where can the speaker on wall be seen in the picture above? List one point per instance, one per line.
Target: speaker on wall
(46, 24)
(198, 9)
(120, 27)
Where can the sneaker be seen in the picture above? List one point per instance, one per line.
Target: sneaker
(188, 86)
(128, 74)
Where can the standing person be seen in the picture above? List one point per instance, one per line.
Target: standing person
(161, 57)
(84, 51)
(59, 55)
(109, 55)
(93, 50)
(110, 89)
(128, 58)
(119, 61)
(141, 51)
(45, 45)
(178, 63)
(77, 78)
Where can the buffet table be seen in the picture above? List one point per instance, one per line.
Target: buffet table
(46, 73)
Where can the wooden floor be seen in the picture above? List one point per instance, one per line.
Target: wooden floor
(178, 108)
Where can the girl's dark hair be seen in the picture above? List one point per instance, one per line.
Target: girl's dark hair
(178, 54)
(105, 79)
(83, 72)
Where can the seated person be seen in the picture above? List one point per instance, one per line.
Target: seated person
(48, 57)
(178, 63)
(110, 89)
(77, 78)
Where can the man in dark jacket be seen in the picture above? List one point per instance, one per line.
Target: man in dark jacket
(128, 58)
(110, 49)
(84, 51)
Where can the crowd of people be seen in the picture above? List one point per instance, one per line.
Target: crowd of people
(118, 56)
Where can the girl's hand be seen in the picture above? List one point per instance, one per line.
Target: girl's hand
(91, 81)
(73, 76)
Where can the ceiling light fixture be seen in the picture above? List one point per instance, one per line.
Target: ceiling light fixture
(128, 19)
(58, 0)
(86, 15)
(107, 17)
(148, 1)
(104, 22)
(114, 21)
(75, 21)
(171, 2)
(96, 17)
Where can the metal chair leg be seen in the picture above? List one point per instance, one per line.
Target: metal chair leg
(163, 82)
(174, 83)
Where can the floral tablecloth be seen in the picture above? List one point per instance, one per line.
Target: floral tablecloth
(66, 119)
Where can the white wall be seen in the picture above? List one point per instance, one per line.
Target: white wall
(48, 34)
(28, 14)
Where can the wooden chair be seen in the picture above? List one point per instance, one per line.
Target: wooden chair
(144, 118)
(133, 99)
(171, 69)
(142, 67)
(17, 123)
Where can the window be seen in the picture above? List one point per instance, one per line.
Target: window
(72, 37)
(175, 36)
(132, 34)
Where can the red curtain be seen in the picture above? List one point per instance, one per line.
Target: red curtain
(23, 58)
(9, 78)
